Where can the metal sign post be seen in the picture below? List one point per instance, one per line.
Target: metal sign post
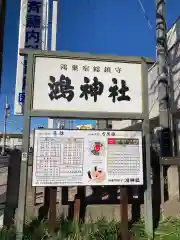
(129, 76)
(53, 190)
(146, 135)
(25, 152)
(124, 213)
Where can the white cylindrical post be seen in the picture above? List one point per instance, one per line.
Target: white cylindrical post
(53, 41)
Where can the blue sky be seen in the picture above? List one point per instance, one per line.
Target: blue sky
(94, 26)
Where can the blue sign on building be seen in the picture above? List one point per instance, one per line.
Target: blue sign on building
(33, 37)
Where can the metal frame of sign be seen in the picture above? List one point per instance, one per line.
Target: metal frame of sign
(29, 112)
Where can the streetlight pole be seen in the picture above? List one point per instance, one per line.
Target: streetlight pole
(6, 114)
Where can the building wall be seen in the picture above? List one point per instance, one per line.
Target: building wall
(13, 141)
(173, 39)
(173, 34)
(174, 61)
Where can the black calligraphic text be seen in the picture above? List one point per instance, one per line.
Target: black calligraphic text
(61, 88)
(96, 69)
(75, 67)
(66, 88)
(107, 69)
(119, 93)
(122, 91)
(63, 67)
(118, 69)
(86, 68)
(54, 88)
(94, 89)
(113, 90)
(85, 88)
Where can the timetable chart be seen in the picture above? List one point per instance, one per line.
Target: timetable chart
(72, 157)
(49, 146)
(73, 151)
(48, 157)
(123, 157)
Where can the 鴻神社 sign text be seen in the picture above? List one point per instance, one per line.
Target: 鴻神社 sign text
(86, 85)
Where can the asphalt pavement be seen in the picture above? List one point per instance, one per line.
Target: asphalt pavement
(3, 184)
(4, 161)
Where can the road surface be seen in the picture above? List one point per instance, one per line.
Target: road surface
(3, 185)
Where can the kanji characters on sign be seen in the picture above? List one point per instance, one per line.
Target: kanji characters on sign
(34, 6)
(90, 89)
(63, 67)
(117, 93)
(33, 21)
(61, 88)
(86, 67)
(94, 89)
(21, 97)
(34, 24)
(33, 36)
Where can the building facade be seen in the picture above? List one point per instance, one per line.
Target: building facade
(173, 41)
(14, 140)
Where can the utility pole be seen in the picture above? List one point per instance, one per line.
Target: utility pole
(165, 117)
(2, 24)
(6, 114)
(163, 81)
(61, 123)
(71, 123)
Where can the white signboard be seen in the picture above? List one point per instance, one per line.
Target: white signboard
(86, 157)
(33, 27)
(83, 85)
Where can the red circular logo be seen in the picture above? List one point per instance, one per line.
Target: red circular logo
(97, 148)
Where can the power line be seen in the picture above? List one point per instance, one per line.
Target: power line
(150, 25)
(145, 14)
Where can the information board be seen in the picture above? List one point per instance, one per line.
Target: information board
(87, 158)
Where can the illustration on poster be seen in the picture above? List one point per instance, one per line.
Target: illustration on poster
(97, 174)
(97, 148)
